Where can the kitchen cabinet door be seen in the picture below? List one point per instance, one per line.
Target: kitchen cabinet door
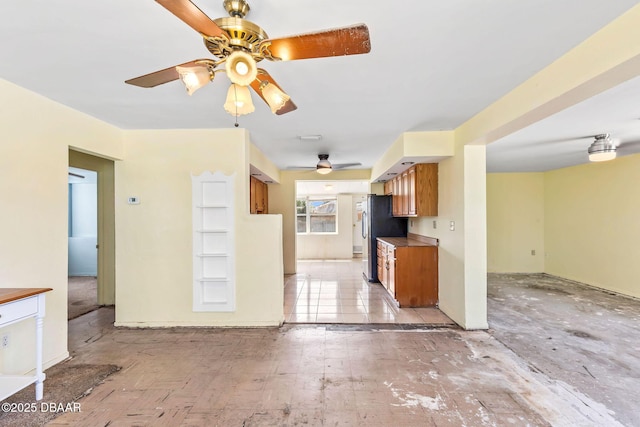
(397, 197)
(258, 196)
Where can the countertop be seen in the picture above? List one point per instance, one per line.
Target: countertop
(411, 240)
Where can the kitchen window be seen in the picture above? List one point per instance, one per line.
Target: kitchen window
(316, 216)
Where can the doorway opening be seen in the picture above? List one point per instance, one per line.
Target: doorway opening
(83, 242)
(327, 223)
(329, 286)
(91, 227)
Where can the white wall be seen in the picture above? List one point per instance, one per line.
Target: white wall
(330, 246)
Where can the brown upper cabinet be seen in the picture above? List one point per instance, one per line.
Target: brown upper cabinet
(415, 191)
(258, 196)
(388, 188)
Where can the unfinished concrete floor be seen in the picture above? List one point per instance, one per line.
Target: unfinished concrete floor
(373, 375)
(586, 340)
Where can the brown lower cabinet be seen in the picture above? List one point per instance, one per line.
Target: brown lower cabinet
(408, 269)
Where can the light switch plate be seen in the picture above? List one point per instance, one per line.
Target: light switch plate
(452, 225)
(133, 200)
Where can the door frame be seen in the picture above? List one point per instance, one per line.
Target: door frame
(106, 221)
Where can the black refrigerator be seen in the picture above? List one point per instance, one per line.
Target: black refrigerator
(378, 221)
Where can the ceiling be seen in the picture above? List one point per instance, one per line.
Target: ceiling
(432, 66)
(331, 188)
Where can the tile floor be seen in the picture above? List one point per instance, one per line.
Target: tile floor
(334, 291)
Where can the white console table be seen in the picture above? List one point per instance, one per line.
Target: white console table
(17, 304)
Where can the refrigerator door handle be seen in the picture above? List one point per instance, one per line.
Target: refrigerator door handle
(364, 225)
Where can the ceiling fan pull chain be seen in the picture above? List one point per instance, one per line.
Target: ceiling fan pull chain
(235, 95)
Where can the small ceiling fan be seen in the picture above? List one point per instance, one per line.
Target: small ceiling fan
(605, 148)
(239, 45)
(324, 166)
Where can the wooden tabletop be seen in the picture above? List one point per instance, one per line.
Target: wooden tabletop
(12, 294)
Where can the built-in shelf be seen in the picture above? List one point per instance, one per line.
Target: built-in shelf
(213, 242)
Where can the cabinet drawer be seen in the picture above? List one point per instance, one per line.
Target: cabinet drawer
(16, 310)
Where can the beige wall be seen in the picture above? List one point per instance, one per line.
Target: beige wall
(571, 79)
(581, 220)
(515, 222)
(462, 252)
(330, 246)
(282, 200)
(592, 224)
(36, 134)
(154, 251)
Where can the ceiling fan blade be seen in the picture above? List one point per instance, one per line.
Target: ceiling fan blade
(301, 168)
(191, 15)
(629, 147)
(163, 76)
(255, 85)
(344, 165)
(351, 40)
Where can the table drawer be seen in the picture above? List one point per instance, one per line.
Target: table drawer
(16, 310)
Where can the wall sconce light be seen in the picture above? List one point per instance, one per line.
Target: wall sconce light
(241, 68)
(195, 77)
(238, 101)
(602, 149)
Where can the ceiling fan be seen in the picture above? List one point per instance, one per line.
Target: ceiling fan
(239, 45)
(324, 166)
(605, 148)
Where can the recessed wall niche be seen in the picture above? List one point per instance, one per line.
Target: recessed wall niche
(213, 242)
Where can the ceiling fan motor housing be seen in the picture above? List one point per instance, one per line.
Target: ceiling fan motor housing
(602, 143)
(243, 34)
(324, 162)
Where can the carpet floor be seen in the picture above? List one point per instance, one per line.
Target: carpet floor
(83, 295)
(65, 384)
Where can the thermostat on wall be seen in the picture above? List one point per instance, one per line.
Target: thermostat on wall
(133, 200)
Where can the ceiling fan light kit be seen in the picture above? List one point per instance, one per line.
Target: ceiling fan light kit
(324, 166)
(195, 77)
(276, 98)
(602, 149)
(240, 44)
(241, 68)
(238, 101)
